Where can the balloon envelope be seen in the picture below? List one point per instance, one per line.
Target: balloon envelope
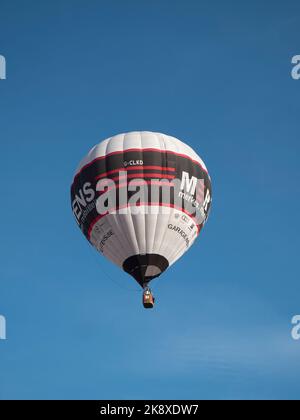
(141, 199)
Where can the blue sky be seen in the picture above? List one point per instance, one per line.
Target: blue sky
(215, 74)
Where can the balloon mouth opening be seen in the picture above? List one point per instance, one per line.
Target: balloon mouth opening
(145, 267)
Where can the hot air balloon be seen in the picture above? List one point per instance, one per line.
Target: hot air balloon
(141, 199)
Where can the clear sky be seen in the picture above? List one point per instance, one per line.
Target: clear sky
(215, 74)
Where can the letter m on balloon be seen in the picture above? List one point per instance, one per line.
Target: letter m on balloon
(188, 184)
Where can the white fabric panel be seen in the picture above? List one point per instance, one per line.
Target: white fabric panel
(150, 225)
(122, 237)
(139, 222)
(129, 237)
(100, 229)
(97, 151)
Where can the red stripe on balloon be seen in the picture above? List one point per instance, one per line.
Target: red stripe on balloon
(140, 150)
(139, 183)
(134, 168)
(142, 175)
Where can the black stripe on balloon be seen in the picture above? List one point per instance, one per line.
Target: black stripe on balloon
(154, 159)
